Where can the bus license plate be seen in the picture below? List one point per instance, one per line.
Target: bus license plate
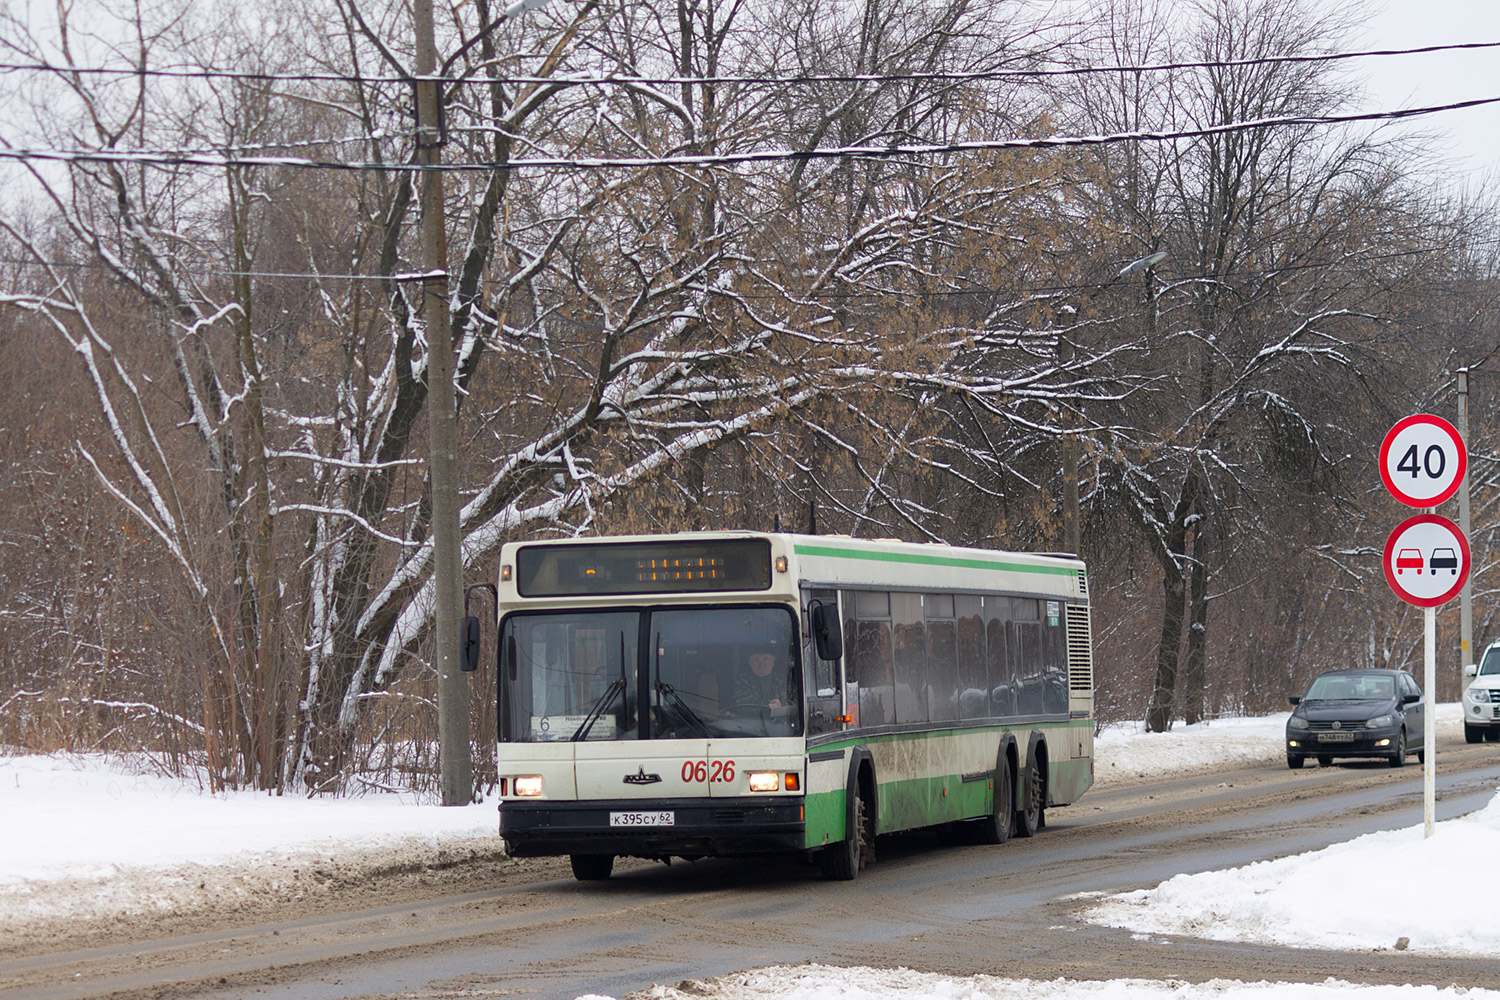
(642, 819)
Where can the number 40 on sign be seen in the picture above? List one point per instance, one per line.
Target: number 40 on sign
(1422, 460)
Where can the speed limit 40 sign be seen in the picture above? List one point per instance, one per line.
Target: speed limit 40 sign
(1422, 460)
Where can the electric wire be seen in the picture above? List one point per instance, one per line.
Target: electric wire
(797, 79)
(204, 158)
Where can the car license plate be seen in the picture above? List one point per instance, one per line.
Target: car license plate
(642, 819)
(1335, 737)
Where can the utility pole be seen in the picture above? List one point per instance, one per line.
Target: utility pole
(1066, 352)
(456, 767)
(1466, 595)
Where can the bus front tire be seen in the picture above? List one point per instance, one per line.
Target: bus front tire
(842, 861)
(592, 867)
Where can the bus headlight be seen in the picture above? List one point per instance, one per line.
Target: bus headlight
(765, 781)
(529, 786)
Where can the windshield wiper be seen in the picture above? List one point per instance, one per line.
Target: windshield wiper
(668, 692)
(600, 707)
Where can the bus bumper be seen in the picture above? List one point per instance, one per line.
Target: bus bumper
(700, 827)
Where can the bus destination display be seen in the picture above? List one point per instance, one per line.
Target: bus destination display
(644, 567)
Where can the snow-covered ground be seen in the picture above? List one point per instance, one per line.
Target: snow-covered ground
(165, 840)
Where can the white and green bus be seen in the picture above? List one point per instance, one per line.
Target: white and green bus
(741, 693)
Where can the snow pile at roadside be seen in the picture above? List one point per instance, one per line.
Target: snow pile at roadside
(80, 816)
(90, 841)
(817, 982)
(1125, 751)
(1420, 895)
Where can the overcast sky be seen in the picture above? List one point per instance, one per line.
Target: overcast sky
(1473, 135)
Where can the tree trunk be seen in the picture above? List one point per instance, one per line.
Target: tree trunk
(1159, 713)
(1197, 639)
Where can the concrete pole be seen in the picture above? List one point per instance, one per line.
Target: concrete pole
(454, 759)
(1072, 526)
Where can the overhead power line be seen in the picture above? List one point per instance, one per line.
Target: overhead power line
(789, 79)
(207, 158)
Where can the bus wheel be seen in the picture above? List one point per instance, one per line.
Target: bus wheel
(1029, 816)
(842, 861)
(592, 867)
(995, 828)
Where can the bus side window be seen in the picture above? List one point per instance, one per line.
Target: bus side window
(973, 678)
(824, 701)
(942, 657)
(1027, 650)
(910, 658)
(1002, 676)
(874, 665)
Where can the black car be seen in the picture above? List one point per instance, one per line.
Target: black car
(1356, 713)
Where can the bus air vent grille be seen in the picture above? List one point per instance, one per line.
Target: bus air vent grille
(1083, 583)
(1080, 650)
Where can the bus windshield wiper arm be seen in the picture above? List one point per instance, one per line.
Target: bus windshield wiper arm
(600, 707)
(668, 692)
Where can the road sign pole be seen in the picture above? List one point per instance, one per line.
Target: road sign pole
(1429, 712)
(1424, 461)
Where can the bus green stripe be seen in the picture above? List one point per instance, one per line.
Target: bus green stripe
(931, 560)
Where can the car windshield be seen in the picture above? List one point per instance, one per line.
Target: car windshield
(1491, 664)
(1341, 687)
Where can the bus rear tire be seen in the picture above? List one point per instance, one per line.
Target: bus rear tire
(995, 828)
(842, 861)
(1029, 817)
(592, 867)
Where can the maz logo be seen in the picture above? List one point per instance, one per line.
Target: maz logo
(640, 777)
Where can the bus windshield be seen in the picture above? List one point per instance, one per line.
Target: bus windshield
(653, 673)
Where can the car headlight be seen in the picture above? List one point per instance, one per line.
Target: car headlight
(1297, 723)
(1477, 695)
(1380, 721)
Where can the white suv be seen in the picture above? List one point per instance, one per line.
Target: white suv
(1482, 697)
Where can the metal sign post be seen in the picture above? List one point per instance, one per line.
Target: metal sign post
(1422, 462)
(1429, 729)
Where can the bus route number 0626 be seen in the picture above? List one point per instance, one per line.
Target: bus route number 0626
(710, 771)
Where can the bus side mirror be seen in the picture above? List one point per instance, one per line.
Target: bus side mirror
(827, 637)
(469, 657)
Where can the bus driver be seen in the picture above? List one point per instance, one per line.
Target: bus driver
(763, 684)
